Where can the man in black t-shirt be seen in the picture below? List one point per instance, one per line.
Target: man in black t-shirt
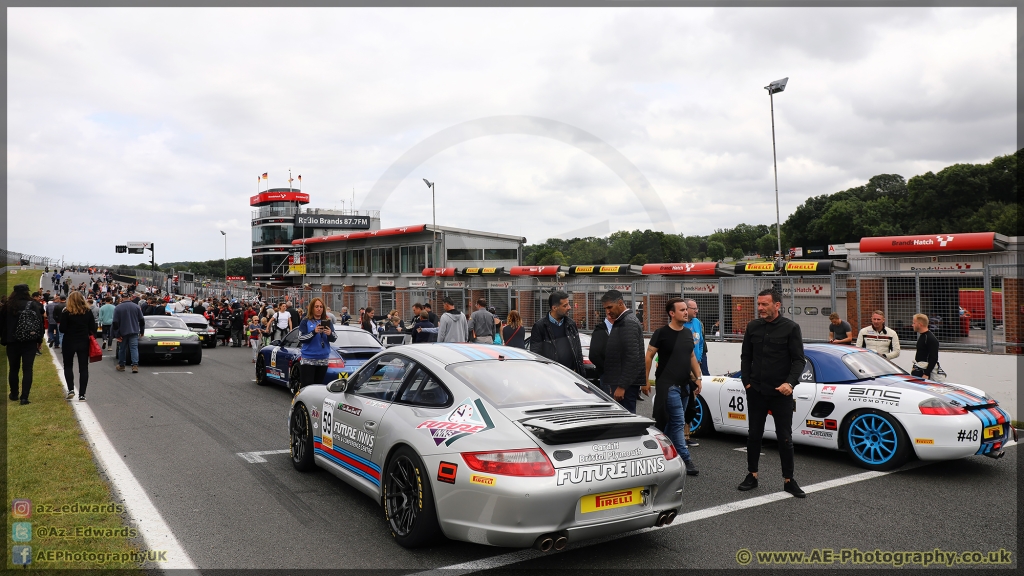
(677, 368)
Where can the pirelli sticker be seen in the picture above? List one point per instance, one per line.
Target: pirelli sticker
(802, 266)
(489, 271)
(471, 271)
(759, 267)
(615, 269)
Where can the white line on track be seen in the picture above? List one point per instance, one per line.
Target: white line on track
(155, 373)
(257, 457)
(503, 560)
(144, 515)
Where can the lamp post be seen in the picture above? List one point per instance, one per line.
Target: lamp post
(433, 243)
(225, 234)
(773, 88)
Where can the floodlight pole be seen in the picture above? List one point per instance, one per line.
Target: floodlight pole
(775, 168)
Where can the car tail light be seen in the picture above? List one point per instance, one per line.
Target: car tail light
(336, 363)
(210, 330)
(528, 462)
(937, 407)
(587, 362)
(667, 447)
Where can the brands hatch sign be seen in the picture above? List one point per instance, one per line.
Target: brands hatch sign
(333, 221)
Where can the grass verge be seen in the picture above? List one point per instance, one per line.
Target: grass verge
(49, 463)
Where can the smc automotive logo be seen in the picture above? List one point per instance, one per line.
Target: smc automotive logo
(874, 396)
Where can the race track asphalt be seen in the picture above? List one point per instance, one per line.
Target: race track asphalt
(180, 429)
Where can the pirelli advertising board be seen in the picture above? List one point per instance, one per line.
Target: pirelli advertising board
(809, 266)
(608, 269)
(755, 267)
(482, 271)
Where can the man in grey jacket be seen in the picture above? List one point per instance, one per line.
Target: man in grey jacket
(481, 324)
(453, 327)
(128, 325)
(624, 364)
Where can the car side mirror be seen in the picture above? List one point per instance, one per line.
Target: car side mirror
(340, 385)
(275, 342)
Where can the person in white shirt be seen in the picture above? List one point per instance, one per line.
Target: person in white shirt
(879, 337)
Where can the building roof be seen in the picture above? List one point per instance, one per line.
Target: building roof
(415, 229)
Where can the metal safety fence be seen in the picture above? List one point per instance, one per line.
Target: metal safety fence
(970, 309)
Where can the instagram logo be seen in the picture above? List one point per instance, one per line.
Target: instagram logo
(21, 508)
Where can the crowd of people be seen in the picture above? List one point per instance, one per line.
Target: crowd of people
(771, 360)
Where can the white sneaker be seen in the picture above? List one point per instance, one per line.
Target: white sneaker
(71, 394)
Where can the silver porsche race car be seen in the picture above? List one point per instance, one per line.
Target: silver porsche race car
(487, 444)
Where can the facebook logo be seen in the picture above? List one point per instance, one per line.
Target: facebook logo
(21, 531)
(21, 555)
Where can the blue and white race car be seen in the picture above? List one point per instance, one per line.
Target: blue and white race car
(854, 400)
(278, 362)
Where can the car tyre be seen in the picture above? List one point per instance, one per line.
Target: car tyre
(701, 425)
(876, 441)
(261, 371)
(197, 357)
(295, 380)
(409, 500)
(300, 441)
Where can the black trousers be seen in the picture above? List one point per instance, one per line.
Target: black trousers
(20, 357)
(311, 374)
(69, 351)
(758, 406)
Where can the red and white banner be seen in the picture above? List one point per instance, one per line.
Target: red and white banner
(534, 270)
(439, 271)
(969, 242)
(264, 197)
(683, 269)
(363, 234)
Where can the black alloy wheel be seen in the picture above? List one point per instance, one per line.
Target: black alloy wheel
(301, 439)
(261, 371)
(409, 500)
(295, 381)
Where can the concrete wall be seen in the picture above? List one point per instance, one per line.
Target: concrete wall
(996, 374)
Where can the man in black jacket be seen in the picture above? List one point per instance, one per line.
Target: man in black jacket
(598, 346)
(556, 337)
(771, 361)
(624, 352)
(237, 319)
(927, 356)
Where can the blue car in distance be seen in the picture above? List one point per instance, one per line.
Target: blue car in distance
(278, 362)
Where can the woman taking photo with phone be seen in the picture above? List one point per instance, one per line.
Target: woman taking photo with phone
(315, 335)
(76, 323)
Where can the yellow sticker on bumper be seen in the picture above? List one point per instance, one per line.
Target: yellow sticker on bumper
(166, 343)
(609, 500)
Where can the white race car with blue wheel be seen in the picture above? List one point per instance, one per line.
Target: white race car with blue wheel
(854, 400)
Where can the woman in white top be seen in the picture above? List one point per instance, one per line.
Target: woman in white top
(282, 322)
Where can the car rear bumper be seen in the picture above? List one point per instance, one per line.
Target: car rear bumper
(514, 512)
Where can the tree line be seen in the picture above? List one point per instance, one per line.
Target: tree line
(959, 198)
(214, 269)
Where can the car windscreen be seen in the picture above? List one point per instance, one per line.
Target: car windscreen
(870, 365)
(520, 382)
(355, 339)
(165, 322)
(193, 318)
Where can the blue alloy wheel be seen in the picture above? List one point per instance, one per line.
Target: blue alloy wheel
(876, 442)
(701, 424)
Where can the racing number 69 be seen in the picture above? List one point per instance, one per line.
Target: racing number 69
(736, 403)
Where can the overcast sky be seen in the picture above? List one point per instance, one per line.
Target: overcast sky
(154, 124)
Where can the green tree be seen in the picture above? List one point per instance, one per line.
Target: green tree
(737, 254)
(716, 250)
(638, 260)
(553, 258)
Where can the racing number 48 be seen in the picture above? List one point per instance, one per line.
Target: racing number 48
(736, 403)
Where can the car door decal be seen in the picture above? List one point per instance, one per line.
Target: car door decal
(327, 424)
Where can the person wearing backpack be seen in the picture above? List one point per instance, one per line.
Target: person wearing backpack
(77, 324)
(22, 333)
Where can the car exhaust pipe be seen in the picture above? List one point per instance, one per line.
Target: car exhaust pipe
(661, 520)
(670, 517)
(544, 543)
(996, 455)
(560, 543)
